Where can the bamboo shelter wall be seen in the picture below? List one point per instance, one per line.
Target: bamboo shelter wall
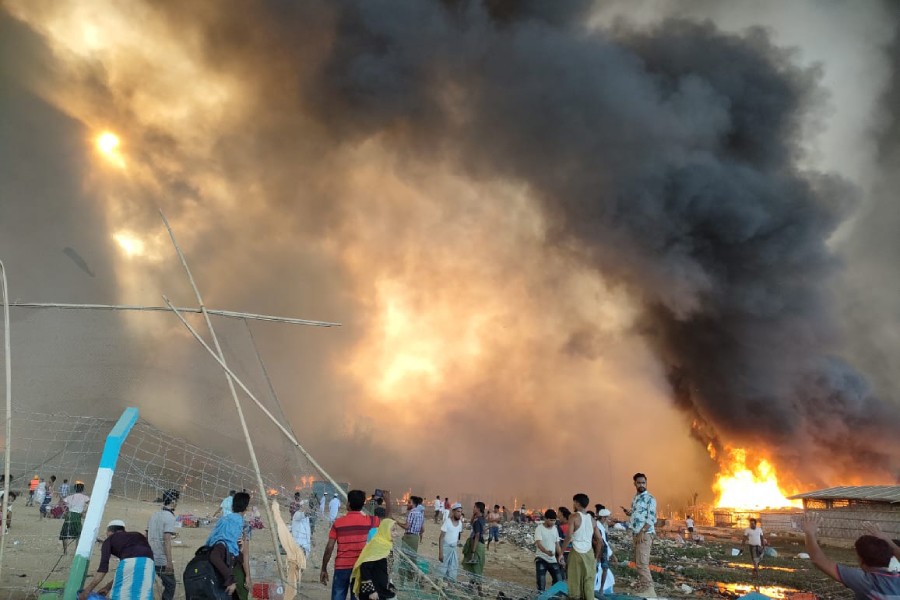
(844, 519)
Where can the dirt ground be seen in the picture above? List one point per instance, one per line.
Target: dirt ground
(33, 556)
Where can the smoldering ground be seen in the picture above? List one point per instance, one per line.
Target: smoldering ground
(535, 231)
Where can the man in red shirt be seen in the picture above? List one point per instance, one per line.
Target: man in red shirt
(350, 532)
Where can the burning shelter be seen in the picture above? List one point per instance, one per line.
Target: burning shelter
(844, 509)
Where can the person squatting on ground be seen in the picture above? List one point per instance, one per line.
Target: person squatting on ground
(71, 527)
(547, 551)
(642, 525)
(581, 566)
(160, 531)
(754, 538)
(225, 544)
(371, 574)
(872, 580)
(451, 531)
(134, 575)
(349, 533)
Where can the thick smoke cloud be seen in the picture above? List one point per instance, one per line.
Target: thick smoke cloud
(495, 198)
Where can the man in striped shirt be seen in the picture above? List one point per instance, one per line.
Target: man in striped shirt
(414, 529)
(349, 533)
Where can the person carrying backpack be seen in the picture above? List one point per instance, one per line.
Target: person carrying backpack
(221, 553)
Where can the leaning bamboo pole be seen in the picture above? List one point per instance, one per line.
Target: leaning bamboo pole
(132, 307)
(290, 436)
(237, 404)
(7, 443)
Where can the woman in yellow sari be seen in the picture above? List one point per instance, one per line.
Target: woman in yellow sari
(371, 576)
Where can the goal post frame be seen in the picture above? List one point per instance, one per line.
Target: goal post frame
(99, 496)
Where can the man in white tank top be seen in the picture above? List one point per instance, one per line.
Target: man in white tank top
(586, 546)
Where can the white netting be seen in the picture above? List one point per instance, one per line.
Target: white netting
(75, 371)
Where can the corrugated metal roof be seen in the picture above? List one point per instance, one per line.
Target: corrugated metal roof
(879, 493)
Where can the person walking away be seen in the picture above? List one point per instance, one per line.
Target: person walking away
(32, 487)
(493, 520)
(581, 565)
(756, 540)
(134, 576)
(371, 575)
(48, 496)
(547, 551)
(414, 530)
(872, 579)
(301, 530)
(689, 525)
(451, 531)
(76, 504)
(322, 502)
(438, 509)
(349, 533)
(334, 507)
(642, 524)
(504, 515)
(160, 531)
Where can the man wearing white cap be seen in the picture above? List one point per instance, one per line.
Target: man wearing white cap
(135, 575)
(603, 514)
(333, 507)
(447, 542)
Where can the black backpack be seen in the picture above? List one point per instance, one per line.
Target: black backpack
(201, 580)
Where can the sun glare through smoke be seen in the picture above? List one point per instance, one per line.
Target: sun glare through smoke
(108, 145)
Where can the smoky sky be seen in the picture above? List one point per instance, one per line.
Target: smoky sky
(567, 218)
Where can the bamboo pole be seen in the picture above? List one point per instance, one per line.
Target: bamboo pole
(8, 446)
(315, 463)
(264, 498)
(131, 307)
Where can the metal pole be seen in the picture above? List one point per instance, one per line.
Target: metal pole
(264, 498)
(8, 445)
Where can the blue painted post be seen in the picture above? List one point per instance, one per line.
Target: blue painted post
(99, 496)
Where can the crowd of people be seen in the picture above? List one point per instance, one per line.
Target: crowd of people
(571, 544)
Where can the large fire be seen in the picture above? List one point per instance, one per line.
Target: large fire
(743, 484)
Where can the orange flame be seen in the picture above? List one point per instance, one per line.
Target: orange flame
(272, 492)
(740, 484)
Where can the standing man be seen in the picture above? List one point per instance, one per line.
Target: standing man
(295, 504)
(63, 489)
(603, 526)
(753, 537)
(689, 524)
(547, 551)
(160, 531)
(473, 551)
(48, 496)
(451, 530)
(349, 533)
(414, 529)
(334, 506)
(438, 509)
(493, 519)
(581, 566)
(642, 525)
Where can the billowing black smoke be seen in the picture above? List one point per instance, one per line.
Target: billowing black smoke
(666, 158)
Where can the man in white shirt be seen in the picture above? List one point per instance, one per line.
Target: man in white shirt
(438, 509)
(448, 540)
(333, 507)
(547, 551)
(160, 531)
(754, 538)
